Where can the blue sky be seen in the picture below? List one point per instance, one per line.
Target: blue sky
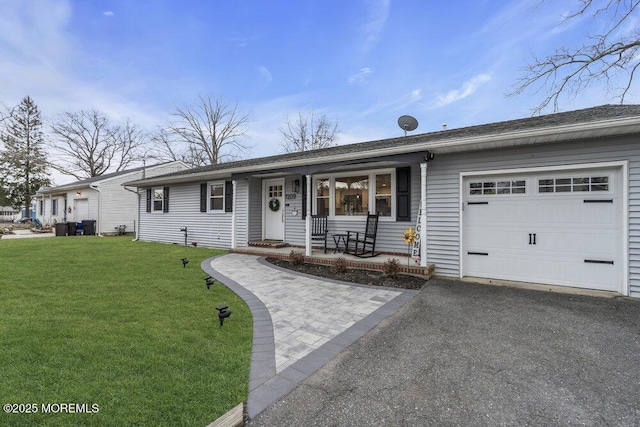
(362, 63)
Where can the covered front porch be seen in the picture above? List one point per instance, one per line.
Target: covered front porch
(281, 203)
(408, 265)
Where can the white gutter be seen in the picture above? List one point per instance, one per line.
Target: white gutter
(99, 205)
(137, 227)
(622, 126)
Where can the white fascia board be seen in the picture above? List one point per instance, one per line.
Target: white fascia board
(627, 125)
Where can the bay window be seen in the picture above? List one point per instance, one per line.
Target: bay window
(322, 196)
(354, 194)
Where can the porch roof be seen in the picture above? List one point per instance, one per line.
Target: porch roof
(602, 121)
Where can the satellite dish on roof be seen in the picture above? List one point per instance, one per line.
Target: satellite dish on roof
(407, 124)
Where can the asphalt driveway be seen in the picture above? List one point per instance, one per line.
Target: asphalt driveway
(469, 354)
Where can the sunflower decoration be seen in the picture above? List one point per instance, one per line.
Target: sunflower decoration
(409, 237)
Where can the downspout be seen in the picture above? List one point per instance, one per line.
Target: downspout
(137, 226)
(94, 187)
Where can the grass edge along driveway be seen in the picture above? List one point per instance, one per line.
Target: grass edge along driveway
(117, 324)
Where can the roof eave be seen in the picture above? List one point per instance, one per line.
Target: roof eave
(601, 128)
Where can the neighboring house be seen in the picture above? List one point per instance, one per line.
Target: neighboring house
(552, 199)
(8, 213)
(101, 198)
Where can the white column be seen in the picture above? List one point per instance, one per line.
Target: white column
(233, 215)
(423, 215)
(307, 226)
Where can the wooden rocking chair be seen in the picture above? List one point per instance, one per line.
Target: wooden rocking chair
(319, 229)
(363, 245)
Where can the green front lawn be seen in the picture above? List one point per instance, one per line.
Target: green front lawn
(119, 324)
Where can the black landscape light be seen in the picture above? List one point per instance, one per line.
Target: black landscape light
(223, 313)
(209, 281)
(185, 261)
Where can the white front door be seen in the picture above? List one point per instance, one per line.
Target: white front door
(560, 228)
(273, 191)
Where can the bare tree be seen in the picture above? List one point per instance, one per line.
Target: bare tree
(206, 133)
(610, 56)
(165, 145)
(308, 132)
(87, 144)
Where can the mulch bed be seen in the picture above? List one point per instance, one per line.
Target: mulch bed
(353, 275)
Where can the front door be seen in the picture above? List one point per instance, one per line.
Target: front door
(273, 190)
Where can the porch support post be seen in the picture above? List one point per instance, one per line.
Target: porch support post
(423, 214)
(233, 216)
(307, 223)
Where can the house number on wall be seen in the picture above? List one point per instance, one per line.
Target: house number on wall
(290, 196)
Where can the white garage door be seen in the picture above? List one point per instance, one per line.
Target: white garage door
(561, 228)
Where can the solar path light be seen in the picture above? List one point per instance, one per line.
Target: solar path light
(185, 261)
(223, 313)
(209, 281)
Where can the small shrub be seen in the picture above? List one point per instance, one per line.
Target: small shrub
(296, 258)
(391, 268)
(339, 265)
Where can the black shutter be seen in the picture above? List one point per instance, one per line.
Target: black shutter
(403, 194)
(228, 196)
(148, 200)
(165, 194)
(203, 197)
(304, 196)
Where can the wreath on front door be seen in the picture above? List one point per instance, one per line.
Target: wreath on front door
(274, 205)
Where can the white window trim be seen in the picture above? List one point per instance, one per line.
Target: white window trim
(209, 184)
(153, 200)
(54, 202)
(571, 175)
(371, 173)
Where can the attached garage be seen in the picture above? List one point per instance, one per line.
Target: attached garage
(555, 226)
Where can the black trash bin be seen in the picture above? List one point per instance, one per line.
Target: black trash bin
(72, 228)
(61, 229)
(89, 227)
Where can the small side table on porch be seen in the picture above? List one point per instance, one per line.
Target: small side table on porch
(337, 239)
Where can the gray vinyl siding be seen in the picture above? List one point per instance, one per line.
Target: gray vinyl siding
(294, 230)
(255, 210)
(211, 230)
(241, 211)
(443, 205)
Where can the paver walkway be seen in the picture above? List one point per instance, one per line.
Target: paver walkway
(300, 321)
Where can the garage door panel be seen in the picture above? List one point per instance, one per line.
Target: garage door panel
(576, 244)
(487, 239)
(542, 236)
(574, 212)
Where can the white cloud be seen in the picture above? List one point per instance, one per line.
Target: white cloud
(467, 89)
(375, 22)
(108, 13)
(402, 102)
(265, 76)
(360, 76)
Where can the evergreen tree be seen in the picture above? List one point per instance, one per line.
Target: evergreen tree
(23, 161)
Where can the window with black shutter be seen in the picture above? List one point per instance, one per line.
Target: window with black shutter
(228, 196)
(403, 194)
(203, 197)
(165, 194)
